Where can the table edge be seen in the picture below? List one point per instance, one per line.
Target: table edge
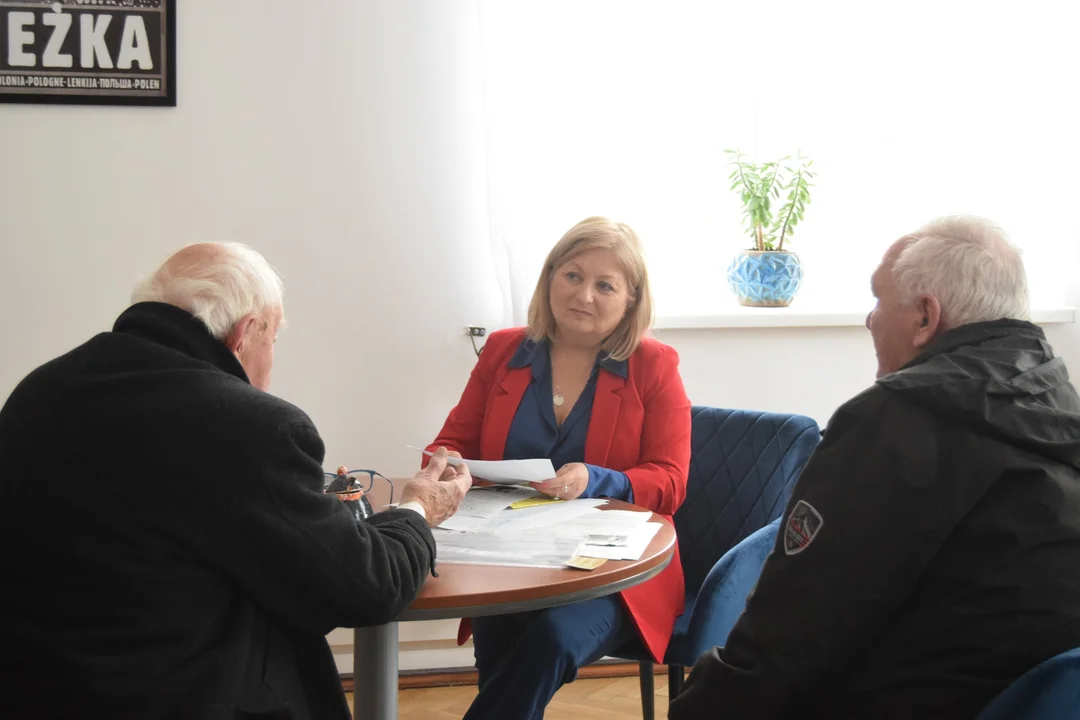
(540, 603)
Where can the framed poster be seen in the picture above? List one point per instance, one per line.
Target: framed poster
(97, 52)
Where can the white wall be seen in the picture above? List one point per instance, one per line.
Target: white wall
(344, 140)
(341, 139)
(810, 371)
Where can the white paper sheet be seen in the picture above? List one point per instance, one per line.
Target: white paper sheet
(541, 516)
(594, 522)
(526, 550)
(483, 503)
(626, 517)
(638, 540)
(510, 472)
(505, 472)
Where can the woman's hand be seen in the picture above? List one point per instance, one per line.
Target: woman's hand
(569, 482)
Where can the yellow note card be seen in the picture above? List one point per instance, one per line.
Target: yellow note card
(581, 562)
(533, 502)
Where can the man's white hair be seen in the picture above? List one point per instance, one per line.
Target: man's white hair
(234, 282)
(968, 264)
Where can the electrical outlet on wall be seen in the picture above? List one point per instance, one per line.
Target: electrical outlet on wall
(475, 331)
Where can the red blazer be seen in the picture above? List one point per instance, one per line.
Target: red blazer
(640, 426)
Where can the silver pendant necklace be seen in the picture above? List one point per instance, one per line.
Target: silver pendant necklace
(558, 399)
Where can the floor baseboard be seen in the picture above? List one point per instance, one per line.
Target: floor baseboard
(445, 677)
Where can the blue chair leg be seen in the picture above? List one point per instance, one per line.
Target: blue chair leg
(645, 674)
(675, 676)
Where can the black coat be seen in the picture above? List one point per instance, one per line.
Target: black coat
(930, 553)
(165, 546)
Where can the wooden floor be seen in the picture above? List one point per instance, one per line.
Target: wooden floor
(599, 699)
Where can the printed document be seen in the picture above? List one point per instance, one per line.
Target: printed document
(505, 472)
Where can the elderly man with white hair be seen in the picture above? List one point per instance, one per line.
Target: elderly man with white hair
(930, 552)
(166, 549)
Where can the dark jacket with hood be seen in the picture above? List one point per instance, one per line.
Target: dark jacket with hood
(930, 553)
(165, 546)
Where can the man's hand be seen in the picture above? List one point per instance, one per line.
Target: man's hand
(439, 488)
(477, 482)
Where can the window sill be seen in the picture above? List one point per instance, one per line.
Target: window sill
(744, 317)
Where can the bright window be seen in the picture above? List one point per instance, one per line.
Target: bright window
(910, 110)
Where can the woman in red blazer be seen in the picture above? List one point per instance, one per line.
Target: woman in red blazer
(581, 385)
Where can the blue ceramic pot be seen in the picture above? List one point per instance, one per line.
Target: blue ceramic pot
(765, 279)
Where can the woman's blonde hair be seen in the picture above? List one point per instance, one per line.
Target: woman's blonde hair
(598, 233)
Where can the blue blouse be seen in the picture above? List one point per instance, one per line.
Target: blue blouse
(535, 434)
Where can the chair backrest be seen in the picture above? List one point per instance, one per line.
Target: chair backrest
(743, 465)
(1049, 691)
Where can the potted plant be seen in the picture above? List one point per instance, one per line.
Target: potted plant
(767, 275)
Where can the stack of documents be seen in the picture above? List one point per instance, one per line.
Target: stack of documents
(487, 531)
(482, 504)
(535, 550)
(512, 524)
(623, 537)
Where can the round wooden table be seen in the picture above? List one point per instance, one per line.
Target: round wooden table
(476, 590)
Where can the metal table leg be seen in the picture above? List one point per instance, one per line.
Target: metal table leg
(375, 672)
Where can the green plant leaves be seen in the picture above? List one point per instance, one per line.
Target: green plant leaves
(759, 185)
(798, 197)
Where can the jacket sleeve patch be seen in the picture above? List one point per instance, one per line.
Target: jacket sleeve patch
(801, 528)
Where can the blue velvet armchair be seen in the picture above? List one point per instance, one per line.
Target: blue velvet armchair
(1049, 691)
(743, 465)
(726, 586)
